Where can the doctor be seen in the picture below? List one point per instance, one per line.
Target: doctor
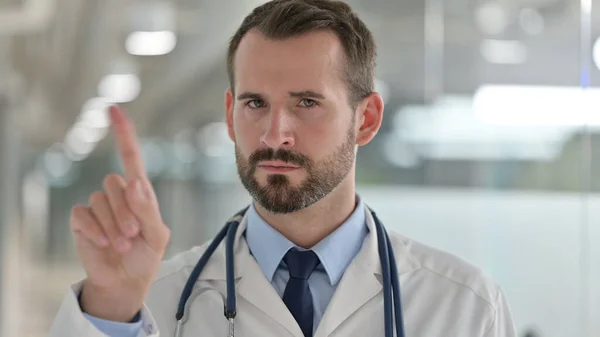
(300, 103)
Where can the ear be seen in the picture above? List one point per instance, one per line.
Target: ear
(229, 101)
(369, 116)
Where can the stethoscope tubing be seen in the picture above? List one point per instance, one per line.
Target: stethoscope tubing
(391, 284)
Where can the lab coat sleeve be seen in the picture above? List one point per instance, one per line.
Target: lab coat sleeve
(70, 321)
(502, 322)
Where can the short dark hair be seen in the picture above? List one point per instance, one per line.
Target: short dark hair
(281, 19)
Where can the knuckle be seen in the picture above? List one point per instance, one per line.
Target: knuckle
(122, 213)
(111, 230)
(112, 180)
(94, 230)
(97, 198)
(87, 227)
(81, 222)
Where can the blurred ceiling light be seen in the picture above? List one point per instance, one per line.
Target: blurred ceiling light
(94, 113)
(537, 105)
(120, 88)
(90, 135)
(80, 133)
(596, 53)
(503, 51)
(491, 18)
(152, 25)
(56, 164)
(531, 21)
(77, 144)
(91, 127)
(151, 43)
(93, 121)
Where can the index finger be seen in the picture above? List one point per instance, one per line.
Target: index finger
(127, 144)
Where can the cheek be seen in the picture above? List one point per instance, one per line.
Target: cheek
(247, 136)
(322, 139)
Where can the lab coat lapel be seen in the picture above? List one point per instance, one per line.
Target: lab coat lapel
(256, 289)
(362, 280)
(358, 285)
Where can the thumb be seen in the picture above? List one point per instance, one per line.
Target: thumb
(142, 201)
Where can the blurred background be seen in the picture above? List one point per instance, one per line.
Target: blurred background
(489, 147)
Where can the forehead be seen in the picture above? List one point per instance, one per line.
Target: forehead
(308, 61)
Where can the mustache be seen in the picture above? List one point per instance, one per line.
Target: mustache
(284, 155)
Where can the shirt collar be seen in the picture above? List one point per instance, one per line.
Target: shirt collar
(335, 252)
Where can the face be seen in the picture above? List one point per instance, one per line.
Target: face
(295, 133)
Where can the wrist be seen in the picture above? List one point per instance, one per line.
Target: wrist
(111, 305)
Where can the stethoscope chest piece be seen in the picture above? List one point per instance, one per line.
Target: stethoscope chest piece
(231, 328)
(179, 327)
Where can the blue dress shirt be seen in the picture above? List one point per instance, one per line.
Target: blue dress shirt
(268, 247)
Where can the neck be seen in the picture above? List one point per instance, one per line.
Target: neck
(307, 227)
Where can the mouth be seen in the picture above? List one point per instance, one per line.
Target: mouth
(277, 166)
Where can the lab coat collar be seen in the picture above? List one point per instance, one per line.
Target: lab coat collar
(215, 268)
(369, 254)
(335, 252)
(362, 279)
(405, 261)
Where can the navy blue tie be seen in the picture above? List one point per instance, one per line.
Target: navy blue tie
(297, 296)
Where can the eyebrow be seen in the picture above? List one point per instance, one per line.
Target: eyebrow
(305, 93)
(248, 95)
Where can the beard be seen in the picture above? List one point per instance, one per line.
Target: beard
(278, 195)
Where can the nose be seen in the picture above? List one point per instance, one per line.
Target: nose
(278, 132)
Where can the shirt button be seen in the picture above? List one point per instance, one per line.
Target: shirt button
(149, 329)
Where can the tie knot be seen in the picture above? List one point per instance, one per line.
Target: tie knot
(301, 263)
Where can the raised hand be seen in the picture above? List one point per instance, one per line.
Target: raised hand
(120, 236)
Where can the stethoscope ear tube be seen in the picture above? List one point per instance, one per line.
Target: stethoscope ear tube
(384, 257)
(389, 270)
(189, 285)
(400, 332)
(230, 308)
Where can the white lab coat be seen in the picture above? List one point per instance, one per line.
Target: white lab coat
(441, 296)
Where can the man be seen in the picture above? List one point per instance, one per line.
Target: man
(300, 103)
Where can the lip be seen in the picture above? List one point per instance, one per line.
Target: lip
(277, 166)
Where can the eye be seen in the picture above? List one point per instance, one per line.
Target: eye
(308, 103)
(255, 104)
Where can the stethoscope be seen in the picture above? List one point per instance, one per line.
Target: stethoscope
(391, 284)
